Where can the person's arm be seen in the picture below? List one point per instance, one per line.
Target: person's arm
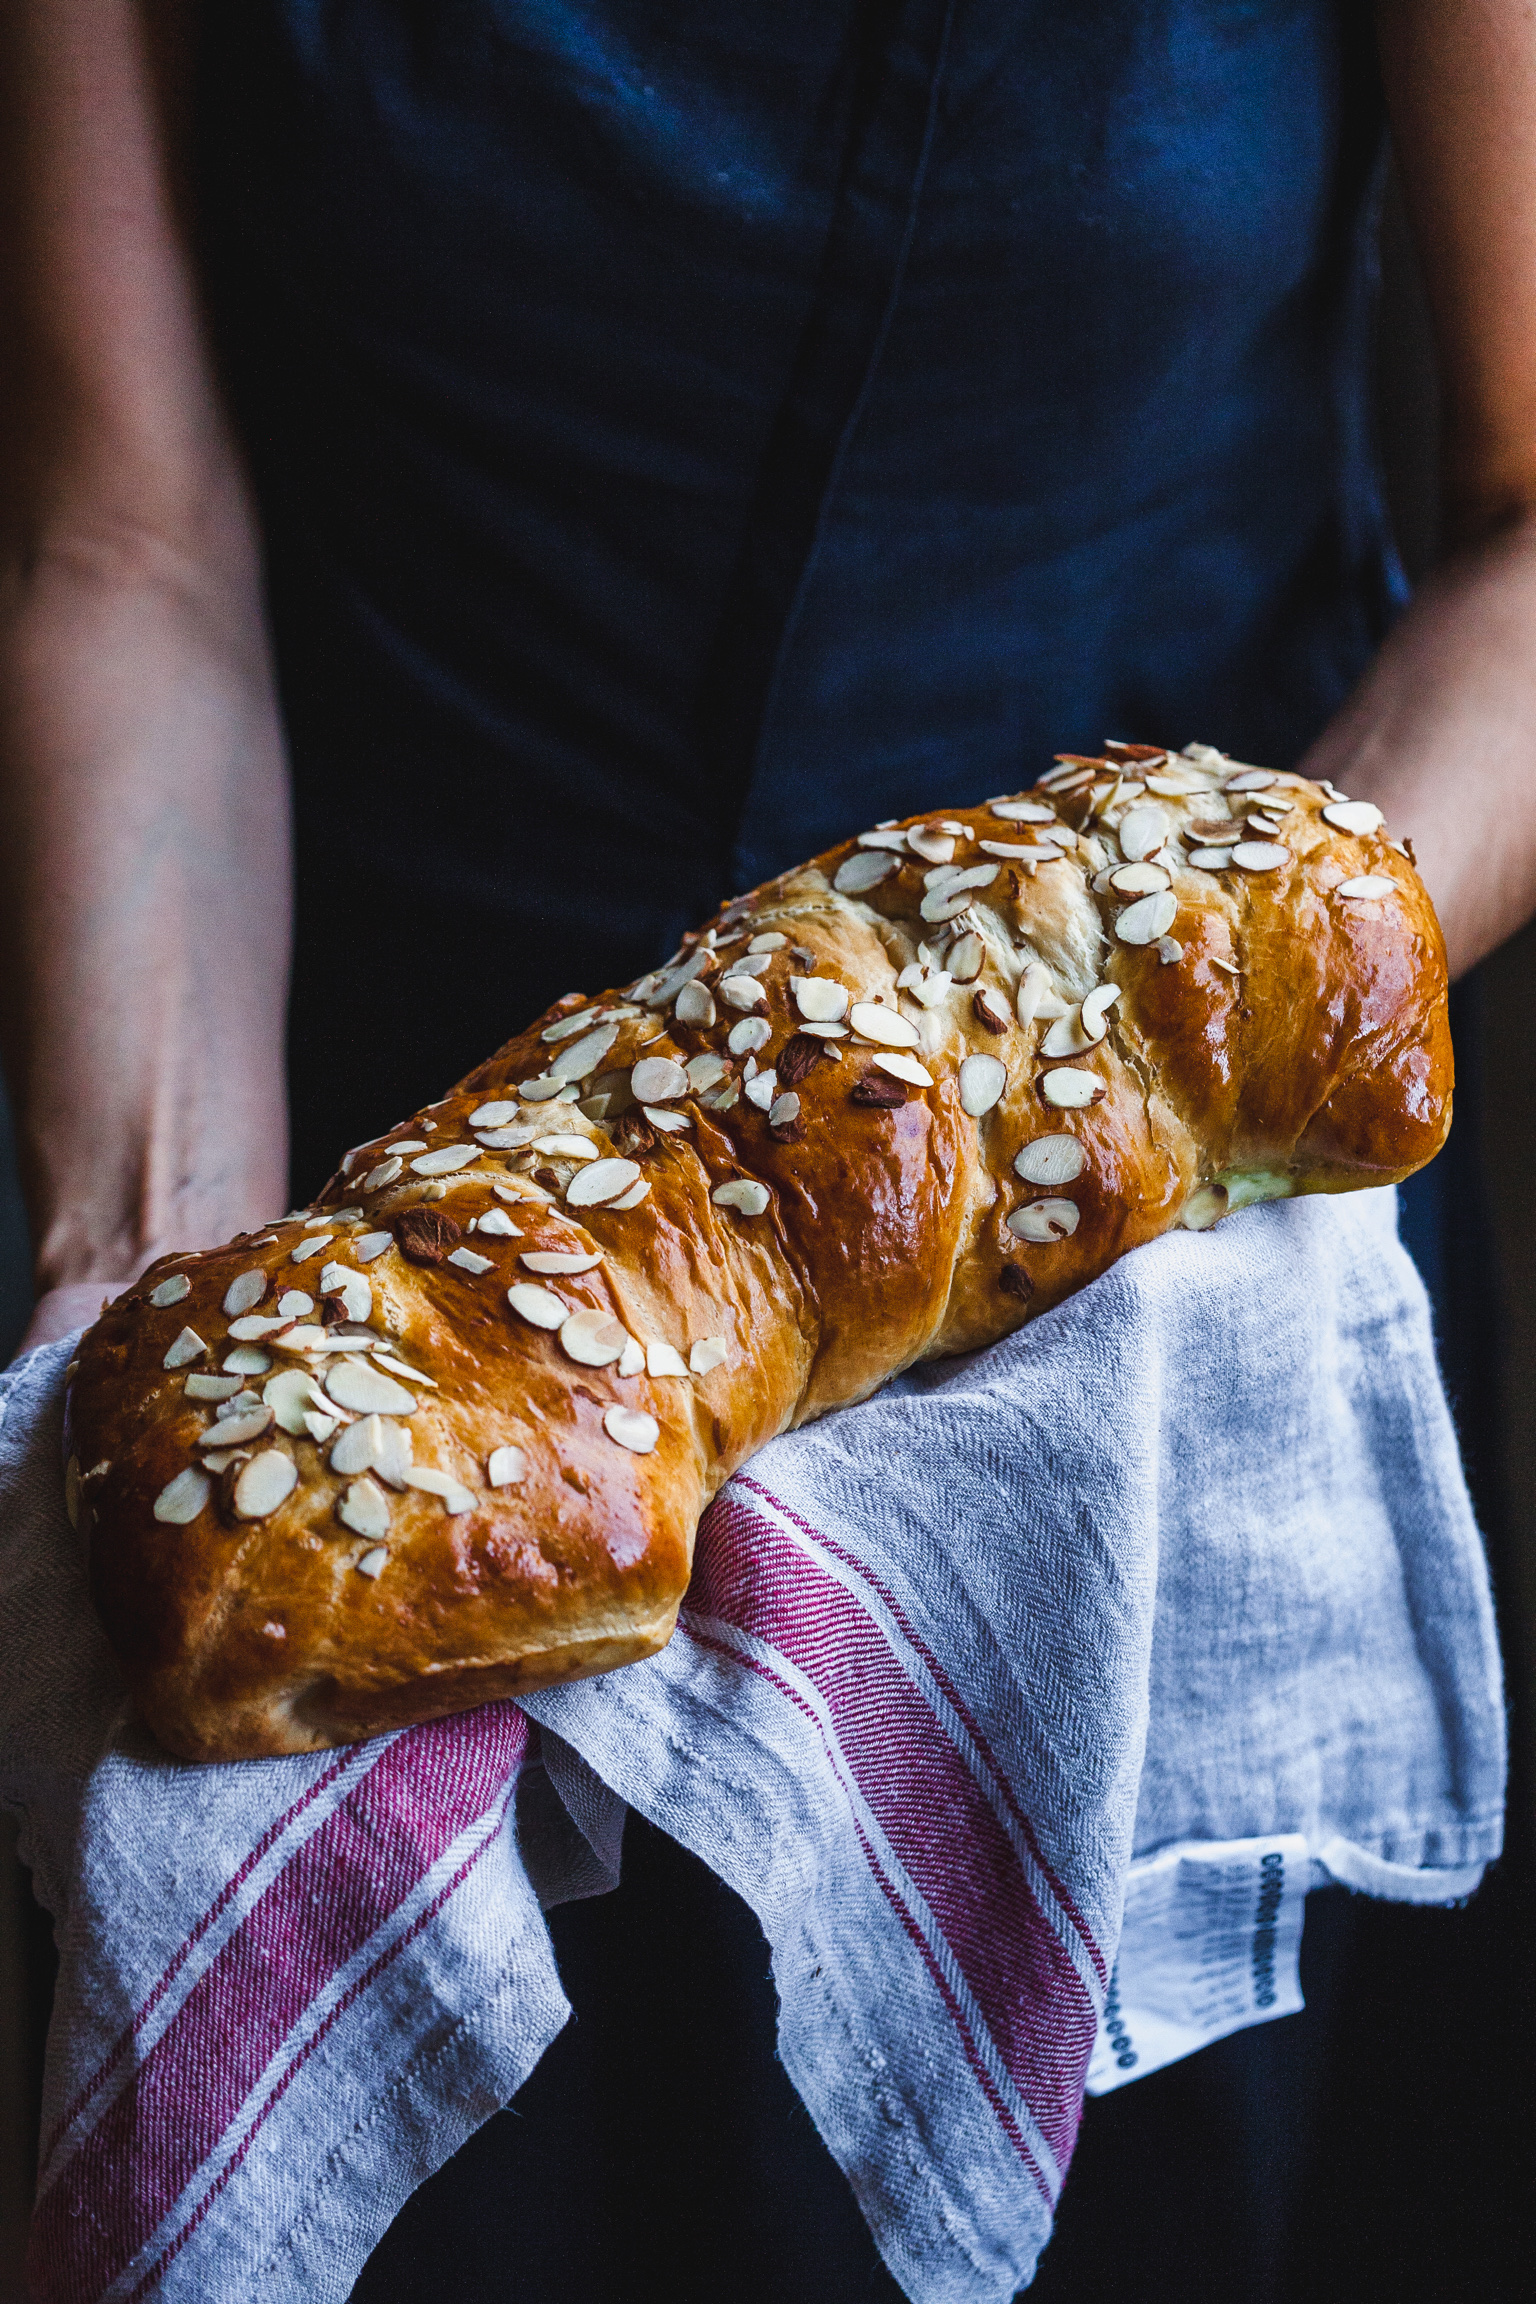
(1442, 731)
(144, 868)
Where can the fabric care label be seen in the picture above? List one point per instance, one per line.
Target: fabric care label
(1211, 1943)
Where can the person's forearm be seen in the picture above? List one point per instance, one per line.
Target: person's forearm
(144, 901)
(1441, 734)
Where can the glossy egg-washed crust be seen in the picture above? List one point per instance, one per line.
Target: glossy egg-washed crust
(1288, 1039)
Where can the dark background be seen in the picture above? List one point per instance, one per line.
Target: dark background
(1411, 2158)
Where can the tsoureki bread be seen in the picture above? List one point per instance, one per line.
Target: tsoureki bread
(447, 1435)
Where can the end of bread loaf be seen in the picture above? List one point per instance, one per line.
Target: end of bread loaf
(445, 1436)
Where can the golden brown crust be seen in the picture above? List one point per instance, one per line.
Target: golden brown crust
(1289, 1038)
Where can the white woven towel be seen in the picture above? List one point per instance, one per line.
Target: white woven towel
(906, 1716)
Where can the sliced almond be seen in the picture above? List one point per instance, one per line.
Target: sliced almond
(367, 1390)
(201, 1387)
(662, 1360)
(631, 1361)
(885, 836)
(369, 1245)
(187, 1346)
(565, 1147)
(290, 1396)
(965, 958)
(1367, 885)
(1051, 1160)
(234, 1431)
(656, 1079)
(374, 1444)
(927, 841)
(560, 1260)
(1095, 1014)
(468, 1260)
(1066, 1036)
(707, 1355)
(373, 1563)
(385, 1173)
(1148, 918)
(1206, 1206)
(581, 1059)
(982, 1082)
(182, 1499)
(364, 1509)
(1169, 949)
(1023, 811)
(903, 1067)
(669, 1122)
(1138, 879)
(313, 1246)
(1142, 830)
(569, 1026)
(173, 1290)
(594, 1338)
(761, 1089)
(493, 1115)
(882, 1025)
(991, 1009)
(294, 1304)
(706, 1071)
(1044, 1220)
(743, 992)
(819, 998)
(540, 1307)
(1260, 855)
(949, 900)
(784, 1109)
(1357, 816)
(633, 1197)
(1210, 859)
(506, 1467)
(752, 1033)
(445, 1159)
(1069, 1090)
(861, 872)
(632, 1429)
(263, 1483)
(604, 1180)
(696, 1006)
(1249, 780)
(456, 1498)
(769, 941)
(743, 1193)
(246, 1360)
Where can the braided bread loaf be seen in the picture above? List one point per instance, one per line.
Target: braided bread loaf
(447, 1435)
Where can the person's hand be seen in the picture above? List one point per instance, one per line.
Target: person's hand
(63, 1310)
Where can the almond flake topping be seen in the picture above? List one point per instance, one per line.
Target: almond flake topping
(365, 1510)
(1095, 1011)
(1142, 831)
(367, 1390)
(246, 1360)
(669, 1122)
(254, 1324)
(374, 1444)
(181, 1499)
(232, 1431)
(819, 998)
(467, 1260)
(1051, 1160)
(696, 1005)
(1071, 1091)
(761, 1089)
(1210, 859)
(861, 872)
(769, 941)
(187, 1346)
(1367, 885)
(506, 1468)
(1169, 949)
(385, 1173)
(632, 1429)
(655, 1079)
(244, 1294)
(289, 1396)
(743, 1193)
(1357, 816)
(743, 992)
(753, 1032)
(709, 1353)
(445, 1159)
(982, 1081)
(494, 1115)
(312, 1246)
(605, 1180)
(537, 1305)
(555, 1260)
(964, 960)
(1023, 811)
(633, 1197)
(992, 1009)
(1044, 1220)
(294, 1305)
(567, 1026)
(499, 1223)
(173, 1290)
(902, 1067)
(565, 1147)
(1139, 879)
(455, 1496)
(874, 1022)
(662, 1360)
(374, 1562)
(927, 841)
(1148, 918)
(200, 1387)
(1260, 855)
(1250, 780)
(594, 1338)
(885, 836)
(784, 1109)
(706, 1071)
(264, 1483)
(582, 1059)
(1066, 1036)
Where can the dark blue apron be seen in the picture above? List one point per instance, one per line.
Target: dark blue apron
(685, 431)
